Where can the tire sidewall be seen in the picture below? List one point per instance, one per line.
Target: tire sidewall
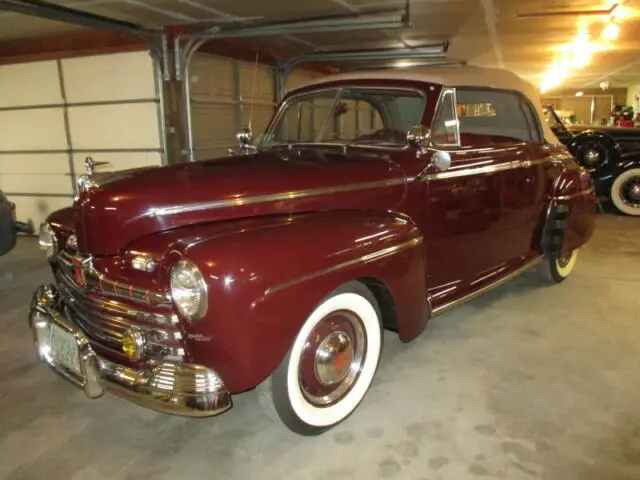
(616, 192)
(294, 411)
(560, 273)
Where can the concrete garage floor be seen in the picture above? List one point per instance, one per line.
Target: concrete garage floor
(526, 382)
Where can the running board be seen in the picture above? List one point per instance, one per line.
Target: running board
(507, 278)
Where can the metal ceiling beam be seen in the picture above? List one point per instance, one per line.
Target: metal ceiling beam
(51, 11)
(423, 52)
(395, 66)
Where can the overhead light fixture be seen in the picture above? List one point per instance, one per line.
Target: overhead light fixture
(611, 31)
(579, 94)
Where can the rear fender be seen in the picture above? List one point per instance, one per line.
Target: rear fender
(264, 281)
(570, 216)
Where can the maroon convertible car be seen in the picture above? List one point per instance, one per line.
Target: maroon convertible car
(372, 201)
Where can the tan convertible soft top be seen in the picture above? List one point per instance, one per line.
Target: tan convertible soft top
(455, 76)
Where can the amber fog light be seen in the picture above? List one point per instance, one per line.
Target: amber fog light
(133, 344)
(188, 290)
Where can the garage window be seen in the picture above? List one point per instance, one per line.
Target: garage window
(489, 117)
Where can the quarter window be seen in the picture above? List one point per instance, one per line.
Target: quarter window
(490, 117)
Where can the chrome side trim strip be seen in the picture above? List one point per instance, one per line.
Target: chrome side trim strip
(575, 195)
(274, 197)
(463, 172)
(365, 258)
(448, 306)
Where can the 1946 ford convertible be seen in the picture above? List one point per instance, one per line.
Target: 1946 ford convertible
(373, 201)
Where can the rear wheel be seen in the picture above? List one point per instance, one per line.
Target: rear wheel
(625, 192)
(558, 267)
(331, 364)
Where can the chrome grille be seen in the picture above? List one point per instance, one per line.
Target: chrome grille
(105, 320)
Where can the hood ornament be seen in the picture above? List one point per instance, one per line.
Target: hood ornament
(90, 165)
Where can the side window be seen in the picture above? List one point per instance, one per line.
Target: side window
(490, 117)
(445, 127)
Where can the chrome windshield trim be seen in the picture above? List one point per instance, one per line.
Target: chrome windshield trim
(365, 258)
(274, 197)
(339, 89)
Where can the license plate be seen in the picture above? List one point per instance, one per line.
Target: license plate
(64, 349)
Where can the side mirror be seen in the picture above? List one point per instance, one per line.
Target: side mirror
(418, 136)
(244, 138)
(441, 161)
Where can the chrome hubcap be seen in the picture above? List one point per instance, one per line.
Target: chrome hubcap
(591, 156)
(564, 259)
(631, 192)
(332, 358)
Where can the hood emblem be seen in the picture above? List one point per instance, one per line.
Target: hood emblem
(90, 165)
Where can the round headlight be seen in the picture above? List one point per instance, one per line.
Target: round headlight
(47, 240)
(188, 290)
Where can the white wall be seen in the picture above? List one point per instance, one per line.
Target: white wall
(223, 100)
(632, 91)
(55, 113)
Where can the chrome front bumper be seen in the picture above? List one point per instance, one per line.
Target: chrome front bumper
(176, 388)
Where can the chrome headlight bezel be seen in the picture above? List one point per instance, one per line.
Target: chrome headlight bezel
(183, 296)
(47, 240)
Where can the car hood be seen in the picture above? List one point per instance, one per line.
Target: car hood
(124, 206)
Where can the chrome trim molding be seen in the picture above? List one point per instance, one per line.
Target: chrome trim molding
(274, 197)
(98, 282)
(365, 258)
(582, 193)
(463, 172)
(501, 281)
(179, 389)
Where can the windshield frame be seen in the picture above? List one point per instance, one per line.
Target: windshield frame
(339, 91)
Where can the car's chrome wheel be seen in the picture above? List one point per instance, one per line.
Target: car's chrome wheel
(625, 192)
(330, 365)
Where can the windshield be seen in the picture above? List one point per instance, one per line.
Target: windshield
(354, 116)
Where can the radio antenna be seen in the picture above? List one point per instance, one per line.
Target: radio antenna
(253, 89)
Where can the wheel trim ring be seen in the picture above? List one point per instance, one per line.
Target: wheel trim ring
(564, 259)
(314, 389)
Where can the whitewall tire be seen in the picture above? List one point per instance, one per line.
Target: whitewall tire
(625, 192)
(331, 364)
(558, 267)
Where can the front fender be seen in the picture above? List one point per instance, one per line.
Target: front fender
(266, 277)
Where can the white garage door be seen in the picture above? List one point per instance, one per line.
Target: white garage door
(224, 98)
(54, 114)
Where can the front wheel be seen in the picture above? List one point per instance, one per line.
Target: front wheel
(625, 192)
(331, 364)
(557, 268)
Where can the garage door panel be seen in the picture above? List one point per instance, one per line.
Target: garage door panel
(260, 117)
(114, 126)
(214, 152)
(35, 163)
(30, 183)
(298, 79)
(30, 84)
(122, 76)
(213, 124)
(116, 161)
(37, 129)
(264, 83)
(36, 209)
(211, 77)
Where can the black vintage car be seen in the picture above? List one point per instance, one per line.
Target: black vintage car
(610, 154)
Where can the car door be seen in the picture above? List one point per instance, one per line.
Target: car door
(477, 208)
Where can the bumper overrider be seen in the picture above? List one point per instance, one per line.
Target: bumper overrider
(176, 388)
